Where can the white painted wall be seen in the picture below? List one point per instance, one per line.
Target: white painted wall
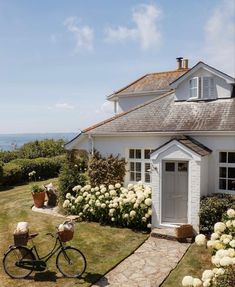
(222, 89)
(125, 103)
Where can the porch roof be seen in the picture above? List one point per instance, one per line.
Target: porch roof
(190, 143)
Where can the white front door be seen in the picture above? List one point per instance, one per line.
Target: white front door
(174, 192)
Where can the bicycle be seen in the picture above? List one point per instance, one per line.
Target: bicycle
(20, 261)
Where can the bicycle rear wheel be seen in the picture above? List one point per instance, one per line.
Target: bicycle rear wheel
(71, 262)
(12, 262)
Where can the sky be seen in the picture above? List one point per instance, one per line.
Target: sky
(59, 59)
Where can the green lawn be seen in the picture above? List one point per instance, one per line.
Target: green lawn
(194, 262)
(103, 246)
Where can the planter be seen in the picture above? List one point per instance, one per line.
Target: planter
(38, 198)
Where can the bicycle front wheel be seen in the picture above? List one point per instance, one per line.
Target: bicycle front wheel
(14, 259)
(71, 262)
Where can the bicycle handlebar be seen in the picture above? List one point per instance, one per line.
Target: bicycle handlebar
(51, 234)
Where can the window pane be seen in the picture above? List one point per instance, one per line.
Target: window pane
(222, 157)
(132, 176)
(147, 177)
(138, 176)
(231, 157)
(132, 166)
(222, 172)
(138, 166)
(131, 153)
(231, 184)
(222, 184)
(170, 166)
(138, 153)
(231, 172)
(183, 166)
(147, 153)
(147, 167)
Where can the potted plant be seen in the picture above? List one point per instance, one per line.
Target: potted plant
(38, 192)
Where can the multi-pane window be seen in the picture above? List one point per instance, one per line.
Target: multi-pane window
(139, 165)
(202, 87)
(227, 171)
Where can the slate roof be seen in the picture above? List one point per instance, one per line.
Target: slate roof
(151, 82)
(163, 114)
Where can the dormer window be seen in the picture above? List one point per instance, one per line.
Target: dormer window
(202, 88)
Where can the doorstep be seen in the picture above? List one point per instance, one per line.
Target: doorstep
(165, 233)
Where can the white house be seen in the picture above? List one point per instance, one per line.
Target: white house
(176, 130)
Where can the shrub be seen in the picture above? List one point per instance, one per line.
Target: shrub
(1, 171)
(127, 207)
(106, 170)
(18, 170)
(7, 156)
(71, 174)
(43, 148)
(222, 245)
(212, 209)
(12, 174)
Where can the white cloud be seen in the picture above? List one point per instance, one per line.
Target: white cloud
(84, 35)
(219, 49)
(106, 108)
(64, 106)
(146, 28)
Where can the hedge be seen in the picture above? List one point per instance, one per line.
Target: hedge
(17, 171)
(212, 209)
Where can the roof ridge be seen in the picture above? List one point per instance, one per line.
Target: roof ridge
(170, 71)
(127, 112)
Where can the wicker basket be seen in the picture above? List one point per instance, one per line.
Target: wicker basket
(66, 235)
(21, 238)
(184, 231)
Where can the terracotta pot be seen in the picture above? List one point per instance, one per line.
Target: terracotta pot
(38, 198)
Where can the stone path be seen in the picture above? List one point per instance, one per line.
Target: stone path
(148, 266)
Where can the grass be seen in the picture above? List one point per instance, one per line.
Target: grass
(195, 261)
(103, 246)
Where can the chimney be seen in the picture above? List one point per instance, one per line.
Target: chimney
(185, 64)
(179, 62)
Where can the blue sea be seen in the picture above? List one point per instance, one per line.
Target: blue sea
(14, 141)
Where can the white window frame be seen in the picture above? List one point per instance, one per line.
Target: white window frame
(197, 87)
(142, 160)
(227, 165)
(200, 88)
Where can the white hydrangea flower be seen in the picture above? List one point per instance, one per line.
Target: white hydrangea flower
(187, 281)
(97, 188)
(207, 283)
(226, 261)
(219, 227)
(149, 225)
(97, 193)
(214, 236)
(117, 185)
(106, 195)
(197, 282)
(231, 213)
(68, 195)
(126, 216)
(130, 186)
(200, 240)
(103, 205)
(103, 190)
(207, 274)
(113, 192)
(111, 187)
(132, 213)
(229, 223)
(78, 199)
(66, 203)
(87, 187)
(112, 219)
(148, 201)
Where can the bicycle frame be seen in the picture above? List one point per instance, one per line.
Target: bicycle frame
(51, 252)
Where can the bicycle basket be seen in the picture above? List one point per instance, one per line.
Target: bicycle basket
(66, 235)
(21, 238)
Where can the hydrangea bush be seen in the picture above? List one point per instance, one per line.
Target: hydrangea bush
(127, 207)
(222, 245)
